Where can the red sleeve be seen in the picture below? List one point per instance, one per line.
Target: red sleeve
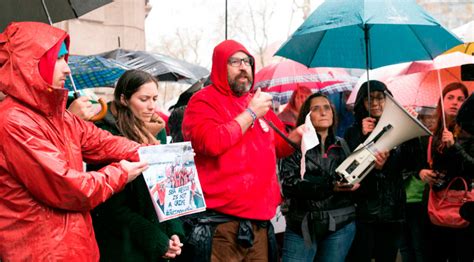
(99, 145)
(208, 133)
(45, 171)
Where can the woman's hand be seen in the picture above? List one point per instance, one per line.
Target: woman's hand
(430, 176)
(368, 125)
(174, 248)
(344, 187)
(380, 159)
(447, 138)
(155, 125)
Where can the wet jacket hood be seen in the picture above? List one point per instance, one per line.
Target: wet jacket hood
(22, 47)
(221, 54)
(359, 109)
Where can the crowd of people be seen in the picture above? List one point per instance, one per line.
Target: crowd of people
(52, 209)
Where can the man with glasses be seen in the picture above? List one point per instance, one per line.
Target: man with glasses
(236, 153)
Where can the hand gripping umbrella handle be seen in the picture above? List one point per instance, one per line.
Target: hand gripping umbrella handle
(103, 104)
(102, 112)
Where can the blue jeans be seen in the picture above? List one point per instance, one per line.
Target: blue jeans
(333, 248)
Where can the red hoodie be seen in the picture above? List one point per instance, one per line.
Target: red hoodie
(45, 196)
(237, 171)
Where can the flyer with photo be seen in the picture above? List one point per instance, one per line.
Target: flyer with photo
(172, 180)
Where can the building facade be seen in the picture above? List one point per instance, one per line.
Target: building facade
(120, 24)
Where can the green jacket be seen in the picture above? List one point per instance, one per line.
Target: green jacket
(126, 225)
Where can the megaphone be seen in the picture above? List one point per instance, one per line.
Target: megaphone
(395, 126)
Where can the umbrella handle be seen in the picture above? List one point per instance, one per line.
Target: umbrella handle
(102, 113)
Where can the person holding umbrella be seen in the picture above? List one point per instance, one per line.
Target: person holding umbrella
(381, 197)
(450, 158)
(45, 196)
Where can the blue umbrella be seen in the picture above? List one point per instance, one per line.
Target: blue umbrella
(367, 34)
(94, 71)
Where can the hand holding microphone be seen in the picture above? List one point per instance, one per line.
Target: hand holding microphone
(261, 102)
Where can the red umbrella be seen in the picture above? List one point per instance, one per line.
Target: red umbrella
(282, 79)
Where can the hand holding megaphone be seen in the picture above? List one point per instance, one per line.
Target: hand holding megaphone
(395, 126)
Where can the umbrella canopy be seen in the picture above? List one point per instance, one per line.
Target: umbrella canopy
(283, 78)
(367, 34)
(34, 10)
(422, 89)
(163, 67)
(417, 83)
(94, 71)
(382, 74)
(465, 32)
(467, 48)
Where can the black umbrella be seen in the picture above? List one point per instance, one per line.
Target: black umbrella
(48, 11)
(188, 93)
(163, 67)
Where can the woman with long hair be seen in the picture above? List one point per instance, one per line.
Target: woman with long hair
(447, 163)
(126, 226)
(317, 197)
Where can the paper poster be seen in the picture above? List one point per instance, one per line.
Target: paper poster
(172, 180)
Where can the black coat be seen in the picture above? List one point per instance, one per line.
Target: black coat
(314, 192)
(381, 196)
(455, 161)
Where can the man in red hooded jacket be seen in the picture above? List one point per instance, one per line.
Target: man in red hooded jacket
(236, 153)
(45, 196)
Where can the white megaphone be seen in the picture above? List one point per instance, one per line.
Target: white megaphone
(395, 126)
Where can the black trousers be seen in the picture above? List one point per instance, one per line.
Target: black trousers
(450, 244)
(379, 241)
(415, 239)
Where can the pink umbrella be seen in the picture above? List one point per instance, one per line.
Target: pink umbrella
(382, 74)
(416, 83)
(282, 79)
(423, 84)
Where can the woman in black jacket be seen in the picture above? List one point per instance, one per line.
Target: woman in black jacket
(381, 197)
(321, 212)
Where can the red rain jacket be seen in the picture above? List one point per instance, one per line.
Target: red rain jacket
(237, 171)
(45, 196)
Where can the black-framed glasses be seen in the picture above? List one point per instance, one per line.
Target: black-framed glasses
(236, 62)
(375, 99)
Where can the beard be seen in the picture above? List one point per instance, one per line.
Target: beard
(240, 89)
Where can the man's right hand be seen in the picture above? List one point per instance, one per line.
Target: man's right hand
(133, 169)
(82, 108)
(260, 103)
